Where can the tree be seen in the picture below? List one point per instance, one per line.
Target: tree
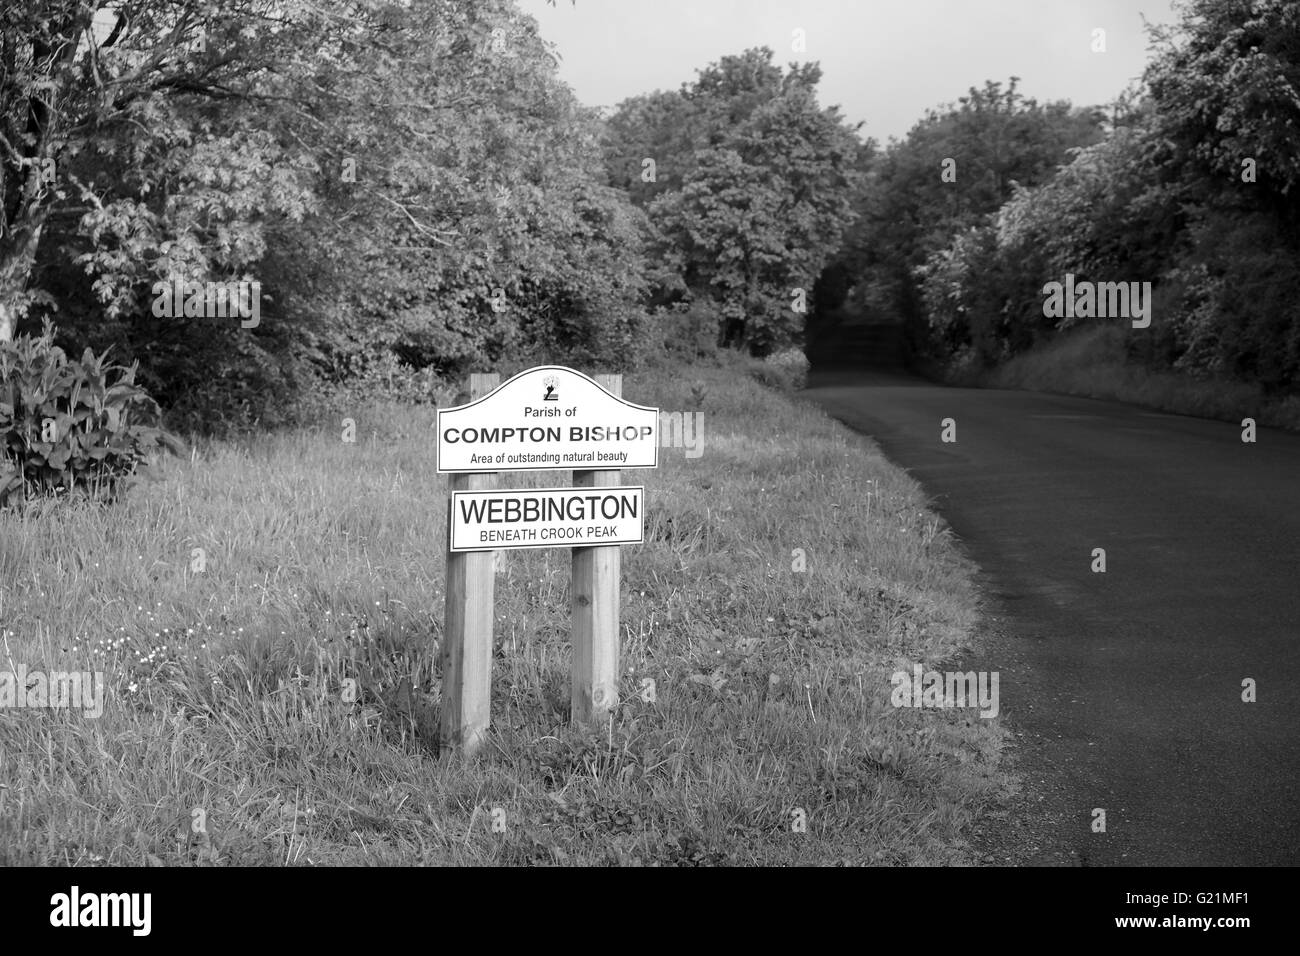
(89, 89)
(1226, 90)
(407, 179)
(954, 169)
(1226, 87)
(752, 190)
(1104, 216)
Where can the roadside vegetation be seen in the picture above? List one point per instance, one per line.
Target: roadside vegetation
(408, 193)
(394, 196)
(1093, 362)
(1186, 183)
(786, 574)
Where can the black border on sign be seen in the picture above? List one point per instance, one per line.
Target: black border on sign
(538, 368)
(451, 524)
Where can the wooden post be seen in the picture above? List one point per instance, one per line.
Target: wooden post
(467, 636)
(594, 590)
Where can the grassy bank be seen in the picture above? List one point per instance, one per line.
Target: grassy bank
(1090, 362)
(226, 737)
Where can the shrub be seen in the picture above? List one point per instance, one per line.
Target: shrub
(787, 370)
(386, 378)
(683, 333)
(68, 424)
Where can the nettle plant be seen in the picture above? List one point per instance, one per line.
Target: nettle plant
(68, 425)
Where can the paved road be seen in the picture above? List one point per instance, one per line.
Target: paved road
(1125, 687)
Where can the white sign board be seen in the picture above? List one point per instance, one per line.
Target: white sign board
(547, 518)
(547, 418)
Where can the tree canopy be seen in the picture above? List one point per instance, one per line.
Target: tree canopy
(748, 181)
(403, 178)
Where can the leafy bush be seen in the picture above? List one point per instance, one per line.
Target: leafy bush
(67, 424)
(1238, 315)
(964, 300)
(683, 333)
(787, 370)
(384, 377)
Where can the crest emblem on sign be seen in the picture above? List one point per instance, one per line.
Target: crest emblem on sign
(551, 383)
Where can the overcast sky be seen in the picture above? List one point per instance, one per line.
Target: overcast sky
(884, 61)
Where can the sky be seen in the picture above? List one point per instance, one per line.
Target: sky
(883, 61)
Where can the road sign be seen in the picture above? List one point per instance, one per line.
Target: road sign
(580, 424)
(547, 518)
(547, 418)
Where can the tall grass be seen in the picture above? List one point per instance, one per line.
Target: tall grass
(230, 735)
(1090, 361)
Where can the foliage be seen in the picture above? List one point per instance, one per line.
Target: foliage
(1104, 216)
(964, 295)
(409, 177)
(755, 191)
(684, 333)
(1226, 85)
(993, 141)
(790, 366)
(1237, 311)
(1194, 192)
(68, 424)
(1226, 91)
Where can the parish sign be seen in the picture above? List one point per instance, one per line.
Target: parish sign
(544, 419)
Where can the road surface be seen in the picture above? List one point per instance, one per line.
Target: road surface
(1124, 688)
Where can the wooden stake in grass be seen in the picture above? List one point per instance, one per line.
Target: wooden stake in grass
(595, 592)
(467, 636)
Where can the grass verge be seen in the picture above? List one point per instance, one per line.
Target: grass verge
(1091, 362)
(786, 574)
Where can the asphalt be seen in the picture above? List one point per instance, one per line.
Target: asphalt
(1124, 688)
